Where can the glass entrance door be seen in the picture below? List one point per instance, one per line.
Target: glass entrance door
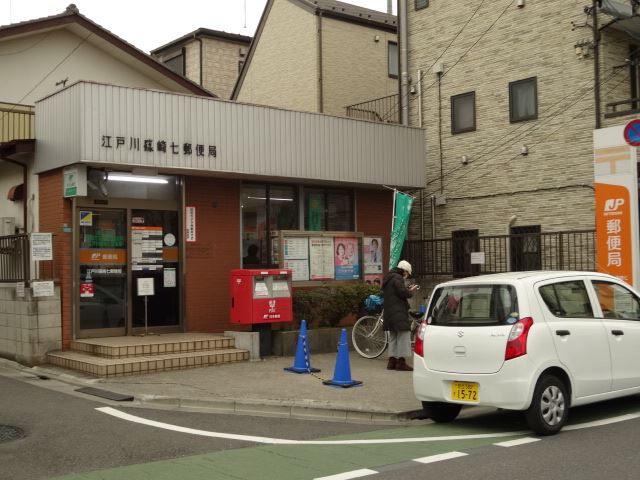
(102, 260)
(155, 243)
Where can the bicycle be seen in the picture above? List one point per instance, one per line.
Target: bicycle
(369, 337)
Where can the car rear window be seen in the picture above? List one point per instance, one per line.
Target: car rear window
(474, 305)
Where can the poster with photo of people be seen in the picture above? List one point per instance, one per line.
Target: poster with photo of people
(346, 258)
(372, 253)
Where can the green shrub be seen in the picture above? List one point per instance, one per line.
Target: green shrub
(326, 306)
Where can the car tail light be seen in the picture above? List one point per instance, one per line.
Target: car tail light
(419, 346)
(517, 341)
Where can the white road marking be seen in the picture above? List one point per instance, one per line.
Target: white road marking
(347, 475)
(600, 423)
(282, 441)
(519, 441)
(377, 441)
(440, 457)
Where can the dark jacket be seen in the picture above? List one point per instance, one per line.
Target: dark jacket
(396, 305)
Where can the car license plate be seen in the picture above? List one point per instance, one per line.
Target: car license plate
(465, 391)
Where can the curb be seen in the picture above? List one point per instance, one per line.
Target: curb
(300, 410)
(281, 409)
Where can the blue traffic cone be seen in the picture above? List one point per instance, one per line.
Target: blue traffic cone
(342, 373)
(302, 363)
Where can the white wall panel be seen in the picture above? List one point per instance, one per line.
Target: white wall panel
(250, 140)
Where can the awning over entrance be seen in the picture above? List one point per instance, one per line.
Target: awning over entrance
(120, 127)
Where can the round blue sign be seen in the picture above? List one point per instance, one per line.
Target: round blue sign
(632, 133)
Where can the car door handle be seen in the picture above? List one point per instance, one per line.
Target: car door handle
(563, 333)
(617, 333)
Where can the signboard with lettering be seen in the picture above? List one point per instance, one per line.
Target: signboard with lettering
(190, 223)
(41, 246)
(74, 181)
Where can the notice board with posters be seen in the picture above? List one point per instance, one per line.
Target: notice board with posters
(318, 257)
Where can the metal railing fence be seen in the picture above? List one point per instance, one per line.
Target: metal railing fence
(567, 250)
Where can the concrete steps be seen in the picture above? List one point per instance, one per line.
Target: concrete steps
(119, 356)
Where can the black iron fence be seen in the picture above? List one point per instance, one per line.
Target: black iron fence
(383, 109)
(14, 258)
(464, 257)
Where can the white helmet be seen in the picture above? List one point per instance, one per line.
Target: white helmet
(404, 265)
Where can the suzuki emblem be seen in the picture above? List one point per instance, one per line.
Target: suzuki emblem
(460, 333)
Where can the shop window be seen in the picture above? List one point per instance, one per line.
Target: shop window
(463, 113)
(328, 209)
(392, 51)
(523, 100)
(266, 209)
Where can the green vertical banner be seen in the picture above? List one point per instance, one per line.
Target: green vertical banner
(401, 213)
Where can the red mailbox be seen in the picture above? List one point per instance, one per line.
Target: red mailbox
(260, 296)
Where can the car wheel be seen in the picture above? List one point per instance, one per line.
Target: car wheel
(549, 406)
(441, 412)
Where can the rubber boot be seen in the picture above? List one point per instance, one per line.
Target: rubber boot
(391, 365)
(402, 365)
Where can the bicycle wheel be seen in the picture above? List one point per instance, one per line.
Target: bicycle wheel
(368, 337)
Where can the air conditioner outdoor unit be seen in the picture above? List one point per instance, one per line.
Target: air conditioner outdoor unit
(7, 226)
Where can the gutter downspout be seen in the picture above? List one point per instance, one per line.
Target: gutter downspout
(404, 60)
(596, 62)
(25, 200)
(320, 77)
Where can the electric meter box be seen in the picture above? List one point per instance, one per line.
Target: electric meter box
(261, 296)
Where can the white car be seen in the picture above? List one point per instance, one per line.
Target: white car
(539, 342)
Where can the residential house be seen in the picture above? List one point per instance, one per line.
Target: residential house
(210, 58)
(39, 57)
(322, 56)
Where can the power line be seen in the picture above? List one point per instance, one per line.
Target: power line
(550, 134)
(538, 126)
(46, 76)
(385, 117)
(496, 146)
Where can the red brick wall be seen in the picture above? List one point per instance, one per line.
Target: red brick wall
(55, 211)
(373, 217)
(215, 253)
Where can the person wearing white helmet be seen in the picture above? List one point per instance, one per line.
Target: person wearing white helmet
(396, 315)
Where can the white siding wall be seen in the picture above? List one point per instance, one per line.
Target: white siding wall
(250, 140)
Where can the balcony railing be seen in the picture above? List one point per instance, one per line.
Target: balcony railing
(14, 258)
(17, 122)
(630, 106)
(383, 109)
(570, 250)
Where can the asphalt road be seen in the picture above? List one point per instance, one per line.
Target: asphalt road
(67, 436)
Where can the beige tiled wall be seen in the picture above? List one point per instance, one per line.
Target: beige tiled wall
(551, 186)
(354, 65)
(282, 72)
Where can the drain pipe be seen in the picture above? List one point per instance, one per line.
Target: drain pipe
(404, 60)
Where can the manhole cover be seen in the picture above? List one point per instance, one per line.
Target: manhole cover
(8, 433)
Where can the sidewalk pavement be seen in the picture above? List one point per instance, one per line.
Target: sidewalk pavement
(263, 388)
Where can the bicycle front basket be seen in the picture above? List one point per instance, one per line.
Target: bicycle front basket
(373, 303)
